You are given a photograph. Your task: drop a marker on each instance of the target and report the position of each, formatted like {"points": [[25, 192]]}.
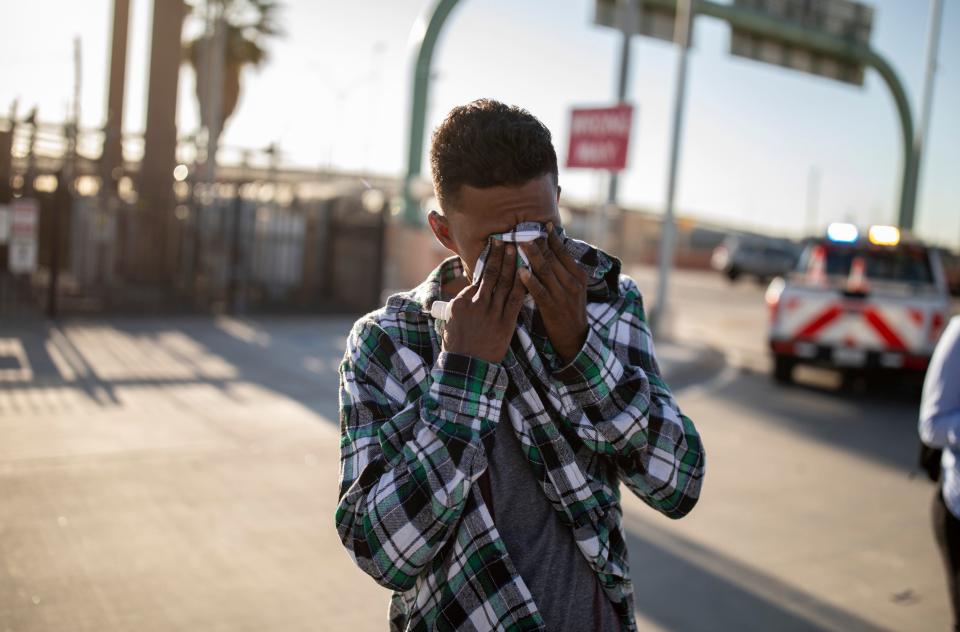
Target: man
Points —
{"points": [[940, 428], [481, 457]]}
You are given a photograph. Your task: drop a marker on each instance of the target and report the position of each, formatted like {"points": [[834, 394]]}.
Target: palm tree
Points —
{"points": [[247, 24]]}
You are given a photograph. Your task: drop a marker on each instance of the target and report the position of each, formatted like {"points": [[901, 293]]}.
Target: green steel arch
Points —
{"points": [[424, 37], [428, 28]]}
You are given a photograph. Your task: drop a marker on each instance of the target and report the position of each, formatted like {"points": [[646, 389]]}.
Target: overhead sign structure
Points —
{"points": [[784, 30], [24, 221], [600, 137], [649, 20], [842, 19]]}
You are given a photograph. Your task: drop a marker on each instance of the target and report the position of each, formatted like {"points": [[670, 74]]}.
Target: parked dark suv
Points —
{"points": [[760, 257]]}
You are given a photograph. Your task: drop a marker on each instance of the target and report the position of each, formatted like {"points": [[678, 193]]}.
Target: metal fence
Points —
{"points": [[234, 255], [240, 253], [246, 243]]}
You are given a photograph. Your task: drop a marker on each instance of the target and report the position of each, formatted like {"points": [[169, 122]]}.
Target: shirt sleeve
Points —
{"points": [[939, 424], [410, 448], [633, 417]]}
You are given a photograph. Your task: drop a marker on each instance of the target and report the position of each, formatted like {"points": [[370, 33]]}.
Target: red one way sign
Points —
{"points": [[599, 137]]}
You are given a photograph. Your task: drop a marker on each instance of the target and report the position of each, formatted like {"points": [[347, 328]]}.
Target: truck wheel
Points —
{"points": [[783, 369]]}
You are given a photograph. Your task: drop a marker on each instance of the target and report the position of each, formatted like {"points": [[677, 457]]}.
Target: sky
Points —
{"points": [[336, 92]]}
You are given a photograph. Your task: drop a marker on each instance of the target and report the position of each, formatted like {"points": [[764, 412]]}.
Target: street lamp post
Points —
{"points": [[682, 37]]}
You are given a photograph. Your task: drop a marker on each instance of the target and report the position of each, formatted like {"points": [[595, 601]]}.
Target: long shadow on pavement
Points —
{"points": [[298, 357], [682, 585], [293, 357], [877, 423]]}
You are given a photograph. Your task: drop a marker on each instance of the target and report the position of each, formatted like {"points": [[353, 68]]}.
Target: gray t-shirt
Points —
{"points": [[563, 585]]}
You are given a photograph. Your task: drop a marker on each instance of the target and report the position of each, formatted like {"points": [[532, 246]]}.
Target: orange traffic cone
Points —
{"points": [[857, 279], [817, 272]]}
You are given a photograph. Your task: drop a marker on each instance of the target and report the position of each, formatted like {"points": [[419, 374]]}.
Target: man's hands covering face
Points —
{"points": [[559, 287], [483, 315]]}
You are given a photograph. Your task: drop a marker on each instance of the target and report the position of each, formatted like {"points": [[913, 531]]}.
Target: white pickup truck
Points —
{"points": [[858, 302]]}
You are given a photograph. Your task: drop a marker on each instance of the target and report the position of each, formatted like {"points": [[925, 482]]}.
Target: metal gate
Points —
{"points": [[231, 254]]}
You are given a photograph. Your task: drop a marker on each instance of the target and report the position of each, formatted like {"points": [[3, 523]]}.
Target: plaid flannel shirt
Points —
{"points": [[417, 424]]}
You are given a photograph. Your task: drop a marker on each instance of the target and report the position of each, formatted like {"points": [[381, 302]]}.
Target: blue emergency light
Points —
{"points": [[842, 232]]}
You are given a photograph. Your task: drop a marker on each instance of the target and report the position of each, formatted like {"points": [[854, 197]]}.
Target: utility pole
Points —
{"points": [[926, 104], [63, 199], [813, 200], [77, 79], [684, 24], [112, 156], [6, 155], [33, 119], [631, 25]]}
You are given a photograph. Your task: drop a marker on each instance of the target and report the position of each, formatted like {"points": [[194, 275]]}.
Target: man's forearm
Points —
{"points": [[636, 421], [406, 484]]}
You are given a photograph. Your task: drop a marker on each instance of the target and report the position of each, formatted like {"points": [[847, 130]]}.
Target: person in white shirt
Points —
{"points": [[940, 428]]}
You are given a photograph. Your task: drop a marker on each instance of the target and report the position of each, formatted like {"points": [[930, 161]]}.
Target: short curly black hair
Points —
{"points": [[486, 143]]}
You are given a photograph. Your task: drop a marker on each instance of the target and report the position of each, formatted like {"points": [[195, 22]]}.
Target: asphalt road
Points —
{"points": [[181, 475], [704, 307], [811, 516]]}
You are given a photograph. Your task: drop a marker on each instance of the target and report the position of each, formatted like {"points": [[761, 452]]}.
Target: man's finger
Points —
{"points": [[491, 270], [463, 298], [550, 272], [514, 302], [540, 267], [564, 257], [535, 287], [565, 279], [534, 255], [508, 273], [467, 292]]}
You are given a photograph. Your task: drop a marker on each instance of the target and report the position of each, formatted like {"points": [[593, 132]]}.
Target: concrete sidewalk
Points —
{"points": [[180, 474]]}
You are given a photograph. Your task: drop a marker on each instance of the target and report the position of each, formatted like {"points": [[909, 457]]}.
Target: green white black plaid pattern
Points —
{"points": [[416, 424]]}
